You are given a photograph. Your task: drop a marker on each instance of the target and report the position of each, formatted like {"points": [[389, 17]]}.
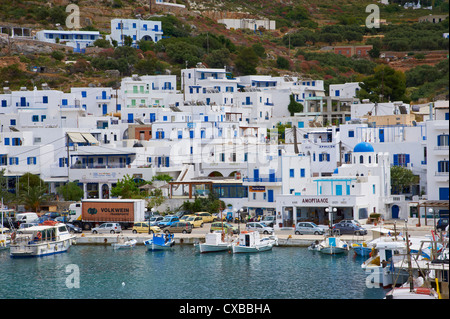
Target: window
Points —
{"points": [[291, 172], [31, 160], [13, 161], [12, 122], [443, 140], [6, 140], [45, 99], [443, 166], [302, 172], [4, 103], [35, 118], [351, 133], [401, 159], [373, 188]]}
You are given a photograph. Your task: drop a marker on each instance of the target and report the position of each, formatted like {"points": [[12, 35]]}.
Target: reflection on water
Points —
{"points": [[183, 273]]}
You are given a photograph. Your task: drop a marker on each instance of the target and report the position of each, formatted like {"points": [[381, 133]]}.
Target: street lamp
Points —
{"points": [[330, 210], [153, 210]]}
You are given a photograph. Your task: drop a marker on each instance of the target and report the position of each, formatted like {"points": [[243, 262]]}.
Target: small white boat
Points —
{"points": [[332, 245], [214, 242], [37, 241], [160, 242], [250, 242], [122, 243], [413, 290]]}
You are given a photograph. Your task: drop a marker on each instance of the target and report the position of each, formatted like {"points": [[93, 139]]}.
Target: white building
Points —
{"points": [[136, 29], [437, 157], [78, 40], [346, 90], [251, 24], [355, 190]]}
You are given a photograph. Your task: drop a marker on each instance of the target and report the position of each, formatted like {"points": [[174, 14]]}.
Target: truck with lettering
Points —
{"points": [[90, 213]]}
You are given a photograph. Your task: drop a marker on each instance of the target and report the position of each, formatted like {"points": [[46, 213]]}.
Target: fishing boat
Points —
{"points": [[42, 240], [414, 288], [251, 242], [332, 245], [214, 242], [124, 244], [379, 234], [160, 242]]}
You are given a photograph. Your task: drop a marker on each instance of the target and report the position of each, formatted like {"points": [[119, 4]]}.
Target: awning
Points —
{"points": [[90, 138], [76, 137]]}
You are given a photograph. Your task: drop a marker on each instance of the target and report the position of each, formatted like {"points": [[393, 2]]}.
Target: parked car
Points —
{"points": [[107, 228], [52, 215], [226, 227], [308, 228], [62, 219], [346, 227], [259, 227], [167, 221], [185, 217], [26, 218], [207, 217], [73, 229], [142, 227], [268, 220], [179, 227], [42, 219], [196, 221], [24, 226], [154, 220]]}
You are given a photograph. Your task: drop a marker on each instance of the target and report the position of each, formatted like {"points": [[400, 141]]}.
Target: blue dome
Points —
{"points": [[363, 147]]}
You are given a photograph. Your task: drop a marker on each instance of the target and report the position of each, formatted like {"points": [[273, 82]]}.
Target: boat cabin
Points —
{"points": [[249, 239]]}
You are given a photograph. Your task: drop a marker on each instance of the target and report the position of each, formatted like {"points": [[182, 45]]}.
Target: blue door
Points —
{"points": [[105, 109], [104, 95], [270, 195], [395, 210], [381, 135], [272, 175], [338, 190], [152, 117], [130, 118], [256, 174], [443, 193]]}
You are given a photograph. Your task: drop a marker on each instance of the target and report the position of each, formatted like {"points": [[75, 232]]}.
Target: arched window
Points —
{"points": [[361, 159]]}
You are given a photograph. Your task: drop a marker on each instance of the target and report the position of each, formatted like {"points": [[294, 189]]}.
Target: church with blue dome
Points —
{"points": [[363, 147]]}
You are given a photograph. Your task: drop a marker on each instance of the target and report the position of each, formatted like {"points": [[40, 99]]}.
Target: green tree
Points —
{"points": [[70, 192], [127, 187], [33, 197], [283, 63], [386, 84], [218, 58], [247, 61], [294, 106], [402, 179]]}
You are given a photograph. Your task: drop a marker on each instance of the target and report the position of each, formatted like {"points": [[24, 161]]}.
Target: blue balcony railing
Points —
{"points": [[262, 180]]}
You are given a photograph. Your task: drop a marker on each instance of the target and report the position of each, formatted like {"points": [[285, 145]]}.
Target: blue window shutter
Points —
{"points": [[167, 161], [320, 157], [291, 172], [328, 157], [395, 159], [302, 172], [406, 158]]}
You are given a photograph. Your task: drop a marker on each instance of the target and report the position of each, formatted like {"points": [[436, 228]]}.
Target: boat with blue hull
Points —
{"points": [[160, 242]]}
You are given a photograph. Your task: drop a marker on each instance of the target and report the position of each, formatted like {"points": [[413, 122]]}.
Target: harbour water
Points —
{"points": [[104, 273]]}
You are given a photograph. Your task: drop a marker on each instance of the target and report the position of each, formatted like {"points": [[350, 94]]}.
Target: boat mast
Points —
{"points": [[408, 256]]}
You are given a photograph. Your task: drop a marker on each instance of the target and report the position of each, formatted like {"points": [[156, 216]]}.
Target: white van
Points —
{"points": [[26, 217]]}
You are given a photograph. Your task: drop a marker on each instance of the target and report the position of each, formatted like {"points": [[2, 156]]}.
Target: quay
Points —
{"points": [[286, 238]]}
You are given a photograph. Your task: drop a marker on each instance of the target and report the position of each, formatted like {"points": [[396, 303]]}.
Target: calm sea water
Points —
{"points": [[284, 272]]}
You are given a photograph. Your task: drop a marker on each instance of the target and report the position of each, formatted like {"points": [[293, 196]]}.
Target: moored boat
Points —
{"points": [[214, 242], [250, 242], [123, 244], [332, 246], [160, 242], [37, 241]]}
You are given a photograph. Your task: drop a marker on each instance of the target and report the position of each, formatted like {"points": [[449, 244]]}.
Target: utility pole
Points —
{"points": [[295, 140]]}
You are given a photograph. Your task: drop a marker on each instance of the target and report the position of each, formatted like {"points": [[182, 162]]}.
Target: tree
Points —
{"points": [[218, 58], [283, 63], [247, 61], [294, 106], [71, 192], [33, 196], [402, 179], [386, 84], [127, 187]]}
